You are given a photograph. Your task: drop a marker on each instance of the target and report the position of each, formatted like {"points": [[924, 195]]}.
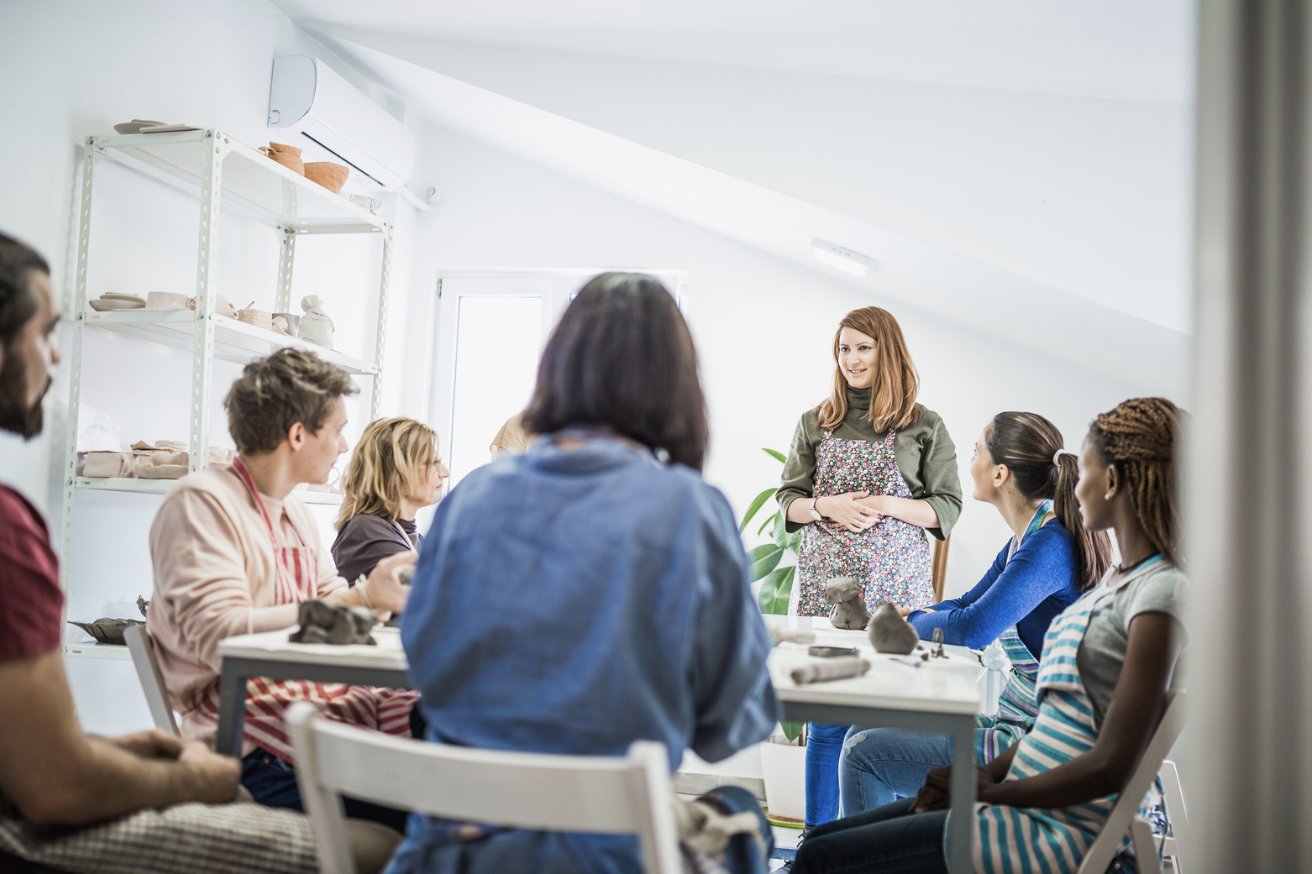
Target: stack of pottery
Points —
{"points": [[288, 156], [329, 175], [112, 301], [221, 306]]}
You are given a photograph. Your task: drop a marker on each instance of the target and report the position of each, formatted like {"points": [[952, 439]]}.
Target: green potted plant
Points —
{"points": [[774, 564]]}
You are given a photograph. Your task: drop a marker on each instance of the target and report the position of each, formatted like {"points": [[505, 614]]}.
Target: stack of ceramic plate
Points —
{"points": [[113, 301]]}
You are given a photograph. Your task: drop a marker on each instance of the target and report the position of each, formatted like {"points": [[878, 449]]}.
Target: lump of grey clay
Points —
{"points": [[889, 632], [846, 594], [338, 624]]}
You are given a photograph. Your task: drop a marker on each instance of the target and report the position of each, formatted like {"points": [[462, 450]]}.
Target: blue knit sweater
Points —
{"points": [[1040, 581]]}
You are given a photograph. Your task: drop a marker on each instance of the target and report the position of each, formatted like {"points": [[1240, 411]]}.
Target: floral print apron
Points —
{"points": [[891, 559]]}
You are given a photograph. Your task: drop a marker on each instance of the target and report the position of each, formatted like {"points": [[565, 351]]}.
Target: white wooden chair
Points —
{"points": [[1122, 818], [142, 649], [527, 790]]}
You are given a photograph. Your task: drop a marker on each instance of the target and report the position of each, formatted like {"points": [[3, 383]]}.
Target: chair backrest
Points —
{"points": [[1108, 842], [598, 794], [938, 565], [142, 649]]}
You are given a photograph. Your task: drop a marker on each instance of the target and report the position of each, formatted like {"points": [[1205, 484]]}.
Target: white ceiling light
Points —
{"points": [[844, 259]]}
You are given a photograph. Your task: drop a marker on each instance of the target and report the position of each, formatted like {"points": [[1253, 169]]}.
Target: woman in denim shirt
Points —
{"points": [[593, 591]]}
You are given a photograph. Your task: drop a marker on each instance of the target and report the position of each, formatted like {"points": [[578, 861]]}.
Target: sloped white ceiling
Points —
{"points": [[1060, 222]]}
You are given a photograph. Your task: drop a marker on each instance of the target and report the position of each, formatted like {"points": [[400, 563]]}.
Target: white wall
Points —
{"points": [[73, 68], [763, 325]]}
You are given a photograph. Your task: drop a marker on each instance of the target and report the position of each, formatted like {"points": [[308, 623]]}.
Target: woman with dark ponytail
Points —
{"points": [[1021, 468], [1106, 675]]}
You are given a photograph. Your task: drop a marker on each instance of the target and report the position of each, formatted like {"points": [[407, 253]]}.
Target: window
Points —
{"points": [[491, 327]]}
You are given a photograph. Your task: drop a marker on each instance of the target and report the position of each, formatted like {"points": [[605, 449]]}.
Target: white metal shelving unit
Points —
{"points": [[223, 174]]}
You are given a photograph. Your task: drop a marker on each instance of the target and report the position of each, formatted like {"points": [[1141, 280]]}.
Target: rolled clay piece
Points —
{"points": [[889, 632], [791, 635], [850, 611], [336, 624], [821, 671]]}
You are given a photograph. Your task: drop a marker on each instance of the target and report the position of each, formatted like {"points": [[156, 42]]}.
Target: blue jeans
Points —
{"points": [[881, 765], [272, 782], [824, 745], [890, 839]]}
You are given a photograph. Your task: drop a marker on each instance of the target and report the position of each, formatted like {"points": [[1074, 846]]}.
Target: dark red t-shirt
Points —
{"points": [[30, 599]]}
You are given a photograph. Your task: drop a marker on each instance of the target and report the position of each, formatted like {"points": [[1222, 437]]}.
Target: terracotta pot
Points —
{"points": [[329, 175], [288, 156]]}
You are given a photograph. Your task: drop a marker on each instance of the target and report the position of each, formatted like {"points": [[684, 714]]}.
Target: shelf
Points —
{"points": [[97, 651], [161, 486], [252, 184], [233, 340]]}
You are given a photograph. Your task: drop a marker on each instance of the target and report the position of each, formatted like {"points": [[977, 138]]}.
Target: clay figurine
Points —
{"points": [[849, 603], [142, 605], [315, 325], [889, 632], [337, 624]]}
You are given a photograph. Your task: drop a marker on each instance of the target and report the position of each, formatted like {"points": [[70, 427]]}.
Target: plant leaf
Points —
{"points": [[780, 534], [775, 454], [775, 590], [765, 558], [756, 504], [766, 524], [792, 730]]}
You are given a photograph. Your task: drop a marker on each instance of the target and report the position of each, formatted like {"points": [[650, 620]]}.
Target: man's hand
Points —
{"points": [[936, 793], [216, 776], [386, 590], [152, 744]]}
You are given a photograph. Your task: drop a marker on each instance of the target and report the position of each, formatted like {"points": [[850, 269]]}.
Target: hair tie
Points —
{"points": [[1056, 457]]}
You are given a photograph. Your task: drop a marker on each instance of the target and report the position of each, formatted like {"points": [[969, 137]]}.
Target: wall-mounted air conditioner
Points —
{"points": [[326, 110]]}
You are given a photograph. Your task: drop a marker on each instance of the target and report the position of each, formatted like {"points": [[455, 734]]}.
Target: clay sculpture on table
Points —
{"points": [[108, 630], [142, 605], [315, 325], [889, 632], [849, 603], [337, 624]]}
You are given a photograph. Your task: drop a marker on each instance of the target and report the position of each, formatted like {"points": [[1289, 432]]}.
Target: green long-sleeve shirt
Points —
{"points": [[925, 455]]}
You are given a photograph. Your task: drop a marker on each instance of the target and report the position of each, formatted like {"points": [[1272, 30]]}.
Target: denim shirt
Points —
{"points": [[574, 601]]}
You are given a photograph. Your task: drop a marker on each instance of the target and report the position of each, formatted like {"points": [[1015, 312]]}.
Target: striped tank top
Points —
{"points": [[1012, 840]]}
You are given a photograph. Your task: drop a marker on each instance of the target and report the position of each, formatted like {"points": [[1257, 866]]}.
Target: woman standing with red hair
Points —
{"points": [[870, 472]]}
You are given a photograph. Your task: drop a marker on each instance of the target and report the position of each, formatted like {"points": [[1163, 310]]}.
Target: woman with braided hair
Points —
{"points": [[1104, 679]]}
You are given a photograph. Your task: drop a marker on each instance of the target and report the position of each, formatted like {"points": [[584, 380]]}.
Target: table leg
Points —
{"points": [[962, 820], [232, 708]]}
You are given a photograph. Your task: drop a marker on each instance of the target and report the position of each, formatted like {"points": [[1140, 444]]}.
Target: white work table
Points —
{"points": [[939, 695]]}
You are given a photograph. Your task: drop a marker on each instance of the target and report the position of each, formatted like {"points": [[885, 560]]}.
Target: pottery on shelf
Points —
{"points": [[164, 300], [108, 630], [290, 322], [102, 465], [221, 306], [315, 325], [255, 318], [111, 301], [135, 126], [288, 156], [329, 175]]}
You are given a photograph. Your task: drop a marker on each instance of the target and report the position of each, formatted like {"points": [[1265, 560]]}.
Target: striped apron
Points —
{"points": [[1016, 840], [1016, 706], [386, 710]]}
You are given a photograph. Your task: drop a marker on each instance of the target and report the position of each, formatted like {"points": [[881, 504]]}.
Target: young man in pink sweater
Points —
{"points": [[234, 552]]}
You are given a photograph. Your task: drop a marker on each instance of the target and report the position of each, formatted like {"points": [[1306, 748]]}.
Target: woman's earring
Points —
{"points": [[1107, 497]]}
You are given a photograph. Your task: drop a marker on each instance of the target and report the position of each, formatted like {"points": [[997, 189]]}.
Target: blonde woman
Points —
{"points": [[394, 471]]}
